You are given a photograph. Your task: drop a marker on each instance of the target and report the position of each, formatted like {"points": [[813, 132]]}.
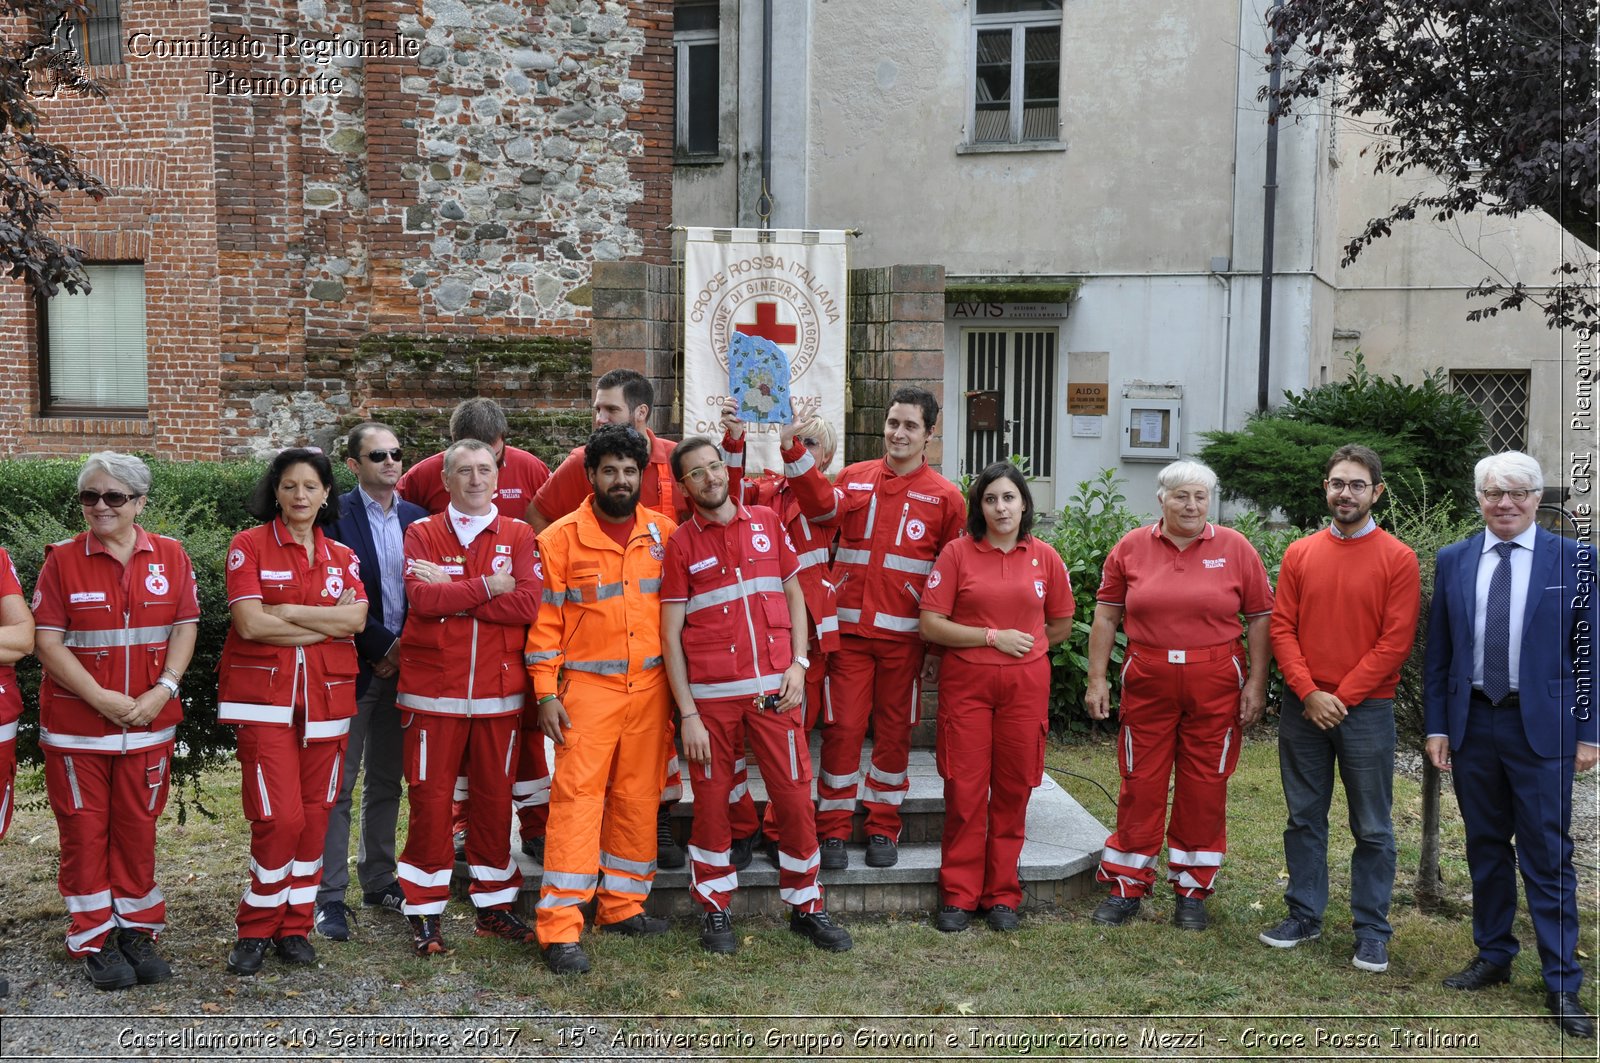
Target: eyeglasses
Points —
{"points": [[114, 499], [1520, 494], [699, 475], [1356, 486], [378, 457]]}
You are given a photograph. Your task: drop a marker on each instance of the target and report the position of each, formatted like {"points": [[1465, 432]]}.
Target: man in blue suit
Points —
{"points": [[1508, 706], [372, 522]]}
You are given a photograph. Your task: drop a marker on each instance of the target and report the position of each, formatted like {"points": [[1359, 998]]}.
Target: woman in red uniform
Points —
{"points": [[16, 642], [1178, 588], [289, 682], [998, 598], [116, 612]]}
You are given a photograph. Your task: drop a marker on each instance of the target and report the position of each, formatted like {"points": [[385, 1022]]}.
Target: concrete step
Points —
{"points": [[1060, 850]]}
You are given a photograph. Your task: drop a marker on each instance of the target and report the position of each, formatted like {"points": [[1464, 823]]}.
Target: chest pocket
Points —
{"points": [[583, 583], [282, 588]]}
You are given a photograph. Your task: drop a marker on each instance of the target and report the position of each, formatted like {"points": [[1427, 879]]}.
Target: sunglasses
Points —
{"points": [[114, 499], [378, 457]]}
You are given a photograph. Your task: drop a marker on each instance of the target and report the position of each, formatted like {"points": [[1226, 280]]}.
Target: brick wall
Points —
{"points": [[896, 339], [638, 308]]}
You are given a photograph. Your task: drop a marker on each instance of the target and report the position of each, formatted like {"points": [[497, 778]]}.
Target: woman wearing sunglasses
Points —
{"points": [[116, 611], [288, 681]]}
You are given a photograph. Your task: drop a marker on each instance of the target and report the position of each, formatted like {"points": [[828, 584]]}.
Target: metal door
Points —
{"points": [[1013, 371]]}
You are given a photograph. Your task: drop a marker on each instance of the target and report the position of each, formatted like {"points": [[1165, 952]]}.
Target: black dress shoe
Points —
{"points": [[1569, 1014], [1479, 974]]}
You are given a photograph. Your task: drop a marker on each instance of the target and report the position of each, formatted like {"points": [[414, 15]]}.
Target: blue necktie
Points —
{"points": [[1497, 628]]}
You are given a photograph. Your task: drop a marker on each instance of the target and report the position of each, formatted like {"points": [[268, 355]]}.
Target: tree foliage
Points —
{"points": [[1428, 437], [1495, 97], [36, 62]]}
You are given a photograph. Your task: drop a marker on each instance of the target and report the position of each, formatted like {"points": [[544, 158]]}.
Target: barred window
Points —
{"points": [[96, 35], [1502, 396]]}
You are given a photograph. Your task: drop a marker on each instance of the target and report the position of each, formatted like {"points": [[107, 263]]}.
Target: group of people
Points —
{"points": [[438, 625], [1507, 698]]}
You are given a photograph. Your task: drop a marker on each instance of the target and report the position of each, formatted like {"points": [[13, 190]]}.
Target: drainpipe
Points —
{"points": [[764, 203], [1268, 224]]}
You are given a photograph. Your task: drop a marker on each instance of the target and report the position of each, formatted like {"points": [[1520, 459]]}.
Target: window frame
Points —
{"points": [[1019, 23], [47, 408], [683, 41], [79, 36], [1495, 436]]}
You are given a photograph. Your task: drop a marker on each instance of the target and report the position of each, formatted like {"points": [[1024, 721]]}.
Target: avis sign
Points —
{"points": [[783, 285]]}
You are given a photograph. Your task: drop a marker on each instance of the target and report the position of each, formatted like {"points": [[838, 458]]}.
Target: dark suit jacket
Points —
{"points": [[355, 531], [1556, 673]]}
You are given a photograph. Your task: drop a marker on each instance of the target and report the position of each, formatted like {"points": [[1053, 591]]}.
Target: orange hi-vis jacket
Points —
{"points": [[600, 621], [460, 647], [891, 529], [809, 507]]}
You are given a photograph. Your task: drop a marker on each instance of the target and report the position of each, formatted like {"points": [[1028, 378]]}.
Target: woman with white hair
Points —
{"points": [[1177, 588], [116, 610]]}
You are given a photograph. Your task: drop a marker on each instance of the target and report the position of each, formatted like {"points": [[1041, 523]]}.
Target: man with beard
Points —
{"points": [[1345, 618], [604, 700], [733, 625]]}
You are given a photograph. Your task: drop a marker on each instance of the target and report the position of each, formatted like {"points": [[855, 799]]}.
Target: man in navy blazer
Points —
{"points": [[372, 521], [1508, 706]]}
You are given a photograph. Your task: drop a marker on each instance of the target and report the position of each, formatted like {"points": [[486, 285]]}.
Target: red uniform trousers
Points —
{"points": [[604, 794], [816, 708], [289, 787], [106, 807], [1184, 716], [779, 741], [990, 752], [436, 746], [530, 790], [8, 774], [876, 679]]}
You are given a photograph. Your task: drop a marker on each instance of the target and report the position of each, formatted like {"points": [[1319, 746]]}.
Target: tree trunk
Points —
{"points": [[1429, 888]]}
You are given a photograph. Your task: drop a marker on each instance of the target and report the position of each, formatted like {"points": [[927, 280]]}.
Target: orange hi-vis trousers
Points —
{"points": [[601, 837]]}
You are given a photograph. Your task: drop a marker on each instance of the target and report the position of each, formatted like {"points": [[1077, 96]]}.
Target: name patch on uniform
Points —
{"points": [[273, 574], [920, 497], [453, 570], [1214, 562], [87, 596], [701, 566], [853, 486]]}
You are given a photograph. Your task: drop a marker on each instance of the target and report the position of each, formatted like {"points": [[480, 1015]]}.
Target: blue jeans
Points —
{"points": [[1363, 746]]}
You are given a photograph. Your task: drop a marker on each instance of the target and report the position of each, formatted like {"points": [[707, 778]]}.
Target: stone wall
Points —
{"points": [[896, 339]]}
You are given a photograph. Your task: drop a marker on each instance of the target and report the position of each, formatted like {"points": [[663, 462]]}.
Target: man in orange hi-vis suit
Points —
{"points": [[603, 696]]}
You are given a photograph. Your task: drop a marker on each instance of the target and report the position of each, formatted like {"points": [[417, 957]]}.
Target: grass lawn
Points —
{"points": [[1061, 988]]}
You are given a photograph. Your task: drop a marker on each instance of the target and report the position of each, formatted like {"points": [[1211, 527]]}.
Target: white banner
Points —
{"points": [[783, 285]]}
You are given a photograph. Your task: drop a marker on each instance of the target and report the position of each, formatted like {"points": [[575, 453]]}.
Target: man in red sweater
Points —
{"points": [[1345, 619]]}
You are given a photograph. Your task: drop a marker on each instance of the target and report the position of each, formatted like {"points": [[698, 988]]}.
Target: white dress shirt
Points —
{"points": [[1521, 568]]}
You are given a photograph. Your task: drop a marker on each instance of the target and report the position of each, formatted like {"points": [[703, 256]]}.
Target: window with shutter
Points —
{"points": [[92, 345]]}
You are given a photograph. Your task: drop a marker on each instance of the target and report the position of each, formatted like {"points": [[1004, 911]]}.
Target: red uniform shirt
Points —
{"points": [[10, 696], [260, 683], [116, 619], [809, 506], [569, 485], [520, 479], [891, 528], [729, 577], [461, 650], [976, 585], [1184, 599]]}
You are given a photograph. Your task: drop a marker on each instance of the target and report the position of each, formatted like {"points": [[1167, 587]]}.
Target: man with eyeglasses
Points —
{"points": [[733, 630], [520, 475], [1508, 708], [1343, 625], [373, 519]]}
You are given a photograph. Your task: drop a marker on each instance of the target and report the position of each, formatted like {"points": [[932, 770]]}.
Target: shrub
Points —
{"points": [[1092, 521], [1428, 437]]}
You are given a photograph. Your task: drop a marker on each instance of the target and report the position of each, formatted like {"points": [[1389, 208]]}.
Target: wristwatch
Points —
{"points": [[803, 662]]}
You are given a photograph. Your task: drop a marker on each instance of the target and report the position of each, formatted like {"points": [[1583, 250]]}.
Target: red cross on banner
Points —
{"points": [[766, 325]]}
